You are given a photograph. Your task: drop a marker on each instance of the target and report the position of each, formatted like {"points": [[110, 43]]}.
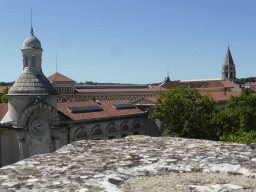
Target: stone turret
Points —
{"points": [[228, 67], [31, 87]]}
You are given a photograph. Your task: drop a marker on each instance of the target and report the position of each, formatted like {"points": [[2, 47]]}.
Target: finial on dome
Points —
{"points": [[31, 32]]}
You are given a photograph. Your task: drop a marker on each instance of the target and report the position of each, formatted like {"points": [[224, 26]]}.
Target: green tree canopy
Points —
{"points": [[184, 112], [3, 99], [237, 122]]}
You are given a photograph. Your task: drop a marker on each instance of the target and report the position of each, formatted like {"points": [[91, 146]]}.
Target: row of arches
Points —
{"points": [[77, 99], [110, 130]]}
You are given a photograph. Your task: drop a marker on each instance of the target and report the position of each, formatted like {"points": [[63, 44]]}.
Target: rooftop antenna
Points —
{"points": [[56, 62]]}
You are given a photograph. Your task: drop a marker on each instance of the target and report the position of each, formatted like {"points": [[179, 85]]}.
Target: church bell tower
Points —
{"points": [[228, 68]]}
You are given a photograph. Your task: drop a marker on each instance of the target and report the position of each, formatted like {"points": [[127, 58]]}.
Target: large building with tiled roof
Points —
{"points": [[33, 122], [69, 91]]}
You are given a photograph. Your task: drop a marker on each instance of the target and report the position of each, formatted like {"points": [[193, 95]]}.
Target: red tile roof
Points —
{"points": [[108, 110], [143, 101], [220, 96], [58, 77], [199, 84], [228, 84], [149, 89], [3, 110], [3, 87], [152, 99]]}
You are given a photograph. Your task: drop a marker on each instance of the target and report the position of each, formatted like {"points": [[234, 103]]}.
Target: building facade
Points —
{"points": [[33, 122]]}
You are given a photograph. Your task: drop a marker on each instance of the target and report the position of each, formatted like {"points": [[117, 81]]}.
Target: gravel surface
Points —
{"points": [[189, 182]]}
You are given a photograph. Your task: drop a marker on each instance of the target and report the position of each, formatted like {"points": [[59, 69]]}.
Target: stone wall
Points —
{"points": [[140, 163]]}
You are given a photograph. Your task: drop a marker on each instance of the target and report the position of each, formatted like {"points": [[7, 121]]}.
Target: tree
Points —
{"points": [[184, 112], [237, 122], [3, 99]]}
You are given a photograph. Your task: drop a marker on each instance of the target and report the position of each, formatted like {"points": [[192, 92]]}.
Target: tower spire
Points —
{"points": [[228, 67]]}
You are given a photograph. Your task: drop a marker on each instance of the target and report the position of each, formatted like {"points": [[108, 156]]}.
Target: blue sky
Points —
{"points": [[130, 41]]}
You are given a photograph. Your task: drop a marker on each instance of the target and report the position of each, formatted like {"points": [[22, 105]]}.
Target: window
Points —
{"points": [[98, 131], [136, 133], [111, 137], [81, 134], [226, 74], [125, 127], [112, 129], [137, 126], [64, 89], [33, 61], [26, 65], [64, 100]]}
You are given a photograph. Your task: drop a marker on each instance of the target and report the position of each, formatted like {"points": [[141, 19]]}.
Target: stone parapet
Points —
{"points": [[137, 163]]}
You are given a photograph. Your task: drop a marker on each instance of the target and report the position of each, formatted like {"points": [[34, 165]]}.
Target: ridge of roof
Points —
{"points": [[59, 77], [199, 84]]}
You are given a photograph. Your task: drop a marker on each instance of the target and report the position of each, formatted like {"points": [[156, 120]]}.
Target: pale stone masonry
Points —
{"points": [[228, 68], [167, 164]]}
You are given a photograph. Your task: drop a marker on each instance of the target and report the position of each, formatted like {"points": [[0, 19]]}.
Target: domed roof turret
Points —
{"points": [[32, 42]]}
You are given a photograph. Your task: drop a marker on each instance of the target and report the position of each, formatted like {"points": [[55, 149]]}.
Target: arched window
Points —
{"points": [[231, 75], [226, 74], [137, 126], [112, 129], [136, 133], [125, 127], [64, 100], [97, 131], [81, 134]]}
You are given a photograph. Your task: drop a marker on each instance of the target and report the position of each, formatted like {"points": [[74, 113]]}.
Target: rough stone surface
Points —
{"points": [[137, 163]]}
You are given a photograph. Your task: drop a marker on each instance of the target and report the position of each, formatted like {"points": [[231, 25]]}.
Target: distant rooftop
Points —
{"points": [[216, 79], [59, 77], [121, 86]]}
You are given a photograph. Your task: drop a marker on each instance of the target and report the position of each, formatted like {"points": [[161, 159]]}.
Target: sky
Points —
{"points": [[130, 41]]}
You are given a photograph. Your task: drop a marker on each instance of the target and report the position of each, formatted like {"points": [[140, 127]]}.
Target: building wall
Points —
{"points": [[9, 147], [105, 126]]}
